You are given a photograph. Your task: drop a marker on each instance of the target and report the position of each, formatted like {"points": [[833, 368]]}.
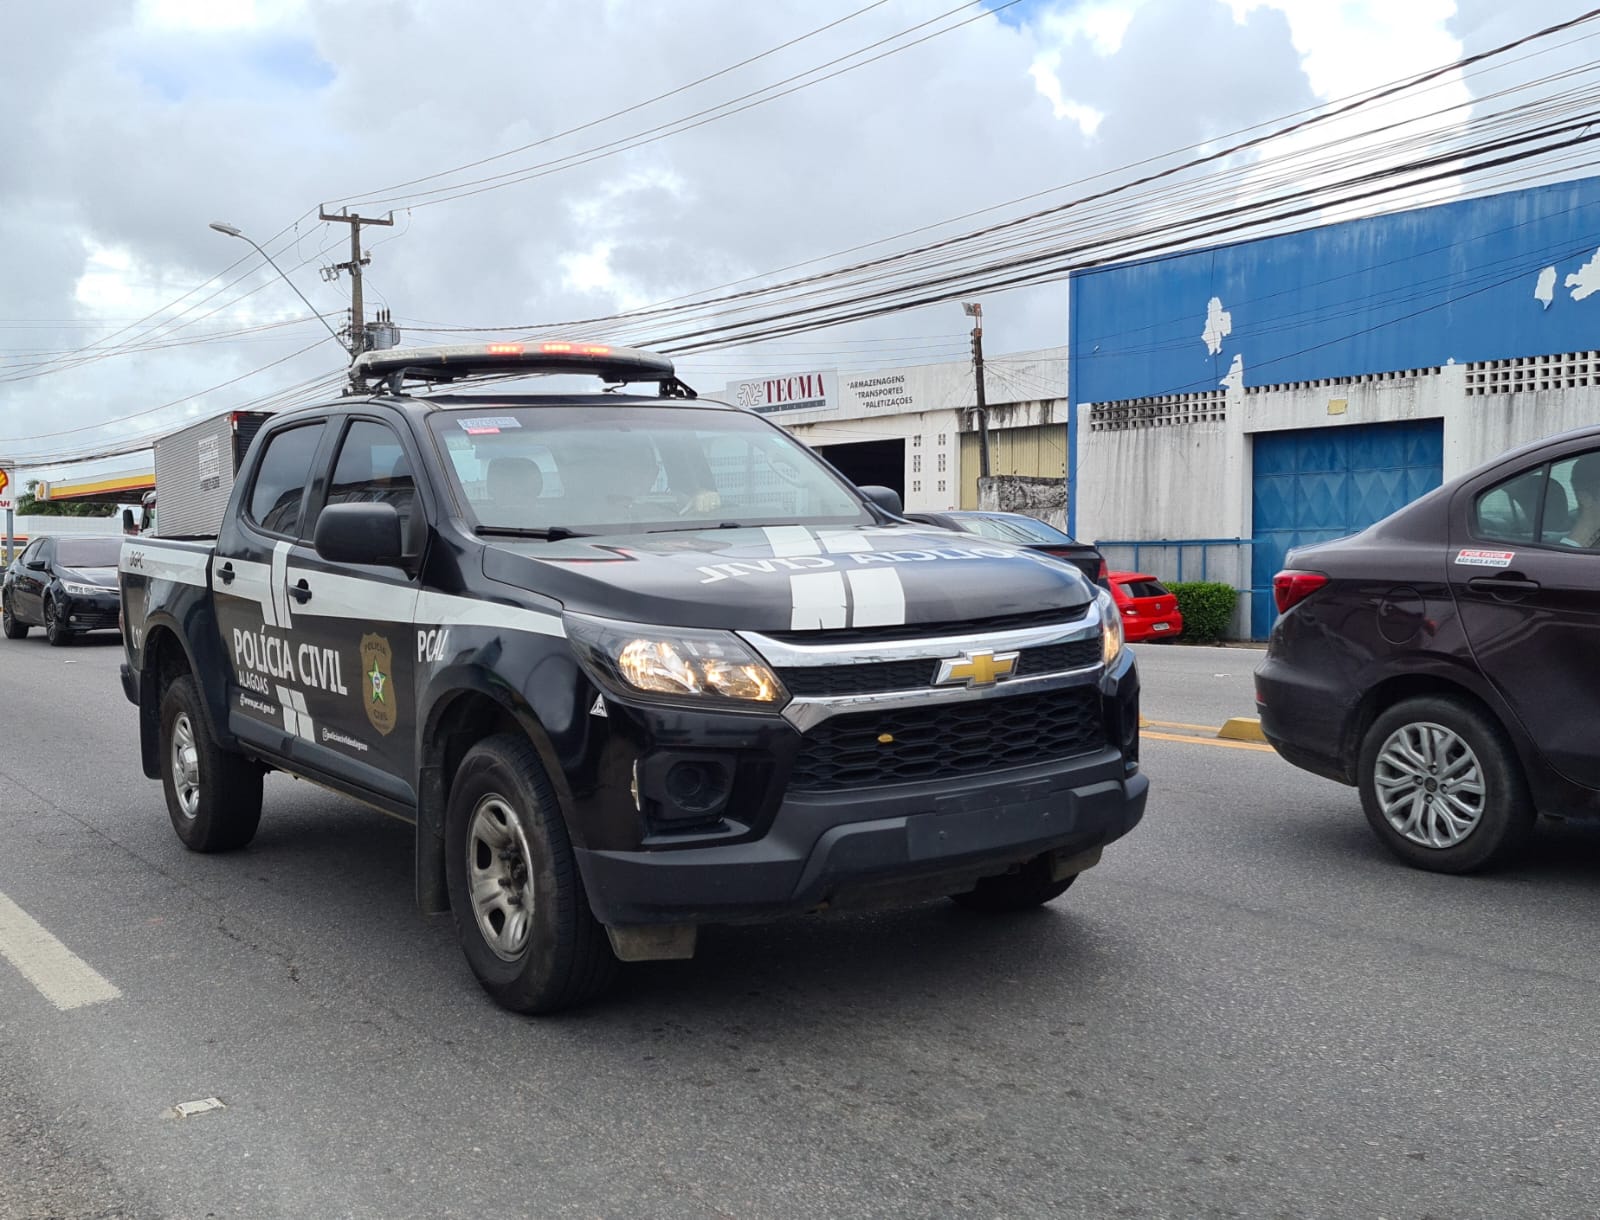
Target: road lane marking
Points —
{"points": [[59, 974], [1179, 724], [1207, 741]]}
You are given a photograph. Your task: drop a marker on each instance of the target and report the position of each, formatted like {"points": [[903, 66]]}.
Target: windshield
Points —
{"points": [[606, 469], [88, 552]]}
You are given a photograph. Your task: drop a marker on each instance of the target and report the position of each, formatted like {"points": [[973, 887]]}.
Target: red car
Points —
{"points": [[1149, 610]]}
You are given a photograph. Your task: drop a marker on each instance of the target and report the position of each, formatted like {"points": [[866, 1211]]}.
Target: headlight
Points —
{"points": [[1111, 637], [72, 586], [675, 662]]}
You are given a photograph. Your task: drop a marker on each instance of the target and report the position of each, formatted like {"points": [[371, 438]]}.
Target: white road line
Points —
{"points": [[60, 975]]}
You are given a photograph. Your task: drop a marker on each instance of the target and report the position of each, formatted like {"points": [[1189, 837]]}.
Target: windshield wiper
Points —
{"points": [[553, 533]]}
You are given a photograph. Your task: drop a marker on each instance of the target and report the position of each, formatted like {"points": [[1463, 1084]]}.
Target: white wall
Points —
{"points": [[921, 484]]}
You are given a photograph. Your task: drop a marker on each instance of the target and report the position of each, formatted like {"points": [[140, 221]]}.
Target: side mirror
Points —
{"points": [[360, 533], [886, 498], [129, 526], [35, 565]]}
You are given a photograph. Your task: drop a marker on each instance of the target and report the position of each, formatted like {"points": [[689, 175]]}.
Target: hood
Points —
{"points": [[791, 578], [105, 578]]}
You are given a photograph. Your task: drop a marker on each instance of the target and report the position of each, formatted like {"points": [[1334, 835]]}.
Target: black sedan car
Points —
{"points": [[1025, 531], [1447, 660], [66, 584]]}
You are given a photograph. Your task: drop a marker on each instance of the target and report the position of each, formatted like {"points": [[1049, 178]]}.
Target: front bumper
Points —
{"points": [[89, 612], [876, 846]]}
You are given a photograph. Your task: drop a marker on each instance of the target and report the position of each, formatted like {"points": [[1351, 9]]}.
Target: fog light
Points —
{"points": [[699, 786]]}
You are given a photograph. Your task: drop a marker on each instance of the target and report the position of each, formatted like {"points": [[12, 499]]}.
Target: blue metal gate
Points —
{"points": [[1321, 483]]}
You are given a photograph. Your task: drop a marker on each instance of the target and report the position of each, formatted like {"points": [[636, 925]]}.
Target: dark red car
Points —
{"points": [[1445, 661], [1149, 608]]}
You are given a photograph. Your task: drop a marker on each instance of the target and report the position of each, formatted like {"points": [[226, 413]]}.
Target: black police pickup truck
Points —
{"points": [[631, 664]]}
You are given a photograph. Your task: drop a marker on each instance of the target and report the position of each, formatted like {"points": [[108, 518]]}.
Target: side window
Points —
{"points": [[281, 479], [372, 468], [1572, 505], [1509, 511]]}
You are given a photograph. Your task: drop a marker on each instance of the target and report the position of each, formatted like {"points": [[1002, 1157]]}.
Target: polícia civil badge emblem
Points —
{"points": [[377, 688]]}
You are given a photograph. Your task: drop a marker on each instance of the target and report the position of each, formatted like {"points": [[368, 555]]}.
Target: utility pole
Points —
{"points": [[974, 309], [358, 317]]}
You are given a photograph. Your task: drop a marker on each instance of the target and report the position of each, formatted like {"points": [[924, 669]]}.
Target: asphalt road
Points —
{"points": [[1248, 1010]]}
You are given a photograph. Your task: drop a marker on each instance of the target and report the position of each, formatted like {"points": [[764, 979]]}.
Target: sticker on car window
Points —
{"points": [[487, 425], [1486, 559]]}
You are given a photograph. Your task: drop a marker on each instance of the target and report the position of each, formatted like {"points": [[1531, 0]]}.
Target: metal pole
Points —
{"points": [[974, 309], [358, 314], [11, 537], [228, 230]]}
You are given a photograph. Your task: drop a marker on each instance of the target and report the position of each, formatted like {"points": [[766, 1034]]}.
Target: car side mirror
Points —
{"points": [[129, 526], [360, 533], [35, 565], [886, 498]]}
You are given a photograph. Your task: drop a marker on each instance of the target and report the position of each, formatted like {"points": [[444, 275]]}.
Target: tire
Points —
{"points": [[213, 795], [15, 629], [1442, 787], [1030, 886], [529, 936], [54, 629]]}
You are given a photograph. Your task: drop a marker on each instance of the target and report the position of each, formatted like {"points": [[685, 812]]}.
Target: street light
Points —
{"points": [[232, 231]]}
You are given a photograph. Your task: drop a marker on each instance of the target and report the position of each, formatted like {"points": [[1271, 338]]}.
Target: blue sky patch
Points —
{"points": [[230, 65]]}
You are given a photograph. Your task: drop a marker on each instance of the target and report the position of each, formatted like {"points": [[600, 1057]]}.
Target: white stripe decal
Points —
{"points": [[447, 610], [334, 595], [251, 582], [879, 597], [819, 601], [280, 584], [60, 975], [789, 541], [846, 543], [179, 566]]}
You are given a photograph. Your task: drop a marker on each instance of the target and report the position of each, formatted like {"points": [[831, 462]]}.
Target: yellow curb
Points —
{"points": [[1214, 742], [1242, 728]]}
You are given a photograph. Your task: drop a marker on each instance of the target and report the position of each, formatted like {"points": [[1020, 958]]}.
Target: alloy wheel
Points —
{"points": [[185, 765], [499, 877], [1430, 785]]}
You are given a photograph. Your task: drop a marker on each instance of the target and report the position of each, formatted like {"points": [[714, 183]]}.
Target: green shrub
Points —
{"points": [[1207, 608]]}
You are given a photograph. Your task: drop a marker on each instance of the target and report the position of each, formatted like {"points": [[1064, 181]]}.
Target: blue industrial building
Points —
{"points": [[1280, 391]]}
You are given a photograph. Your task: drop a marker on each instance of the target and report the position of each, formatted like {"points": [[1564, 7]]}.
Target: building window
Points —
{"points": [[916, 441], [941, 463], [916, 463], [941, 440], [916, 484], [941, 484]]}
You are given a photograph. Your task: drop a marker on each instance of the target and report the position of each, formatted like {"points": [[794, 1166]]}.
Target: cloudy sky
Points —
{"points": [[130, 126]]}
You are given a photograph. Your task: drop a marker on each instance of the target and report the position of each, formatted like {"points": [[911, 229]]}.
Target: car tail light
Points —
{"points": [[1291, 588]]}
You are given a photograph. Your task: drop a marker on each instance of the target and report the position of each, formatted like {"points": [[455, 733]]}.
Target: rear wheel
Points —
{"points": [[54, 629], [521, 912], [14, 628], [1030, 886], [1442, 787], [213, 795]]}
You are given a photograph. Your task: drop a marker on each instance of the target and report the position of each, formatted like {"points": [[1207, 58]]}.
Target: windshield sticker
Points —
{"points": [[1486, 559], [487, 425]]}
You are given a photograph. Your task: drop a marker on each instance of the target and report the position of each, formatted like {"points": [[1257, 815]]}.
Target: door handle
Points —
{"points": [[300, 592], [1501, 586], [225, 573]]}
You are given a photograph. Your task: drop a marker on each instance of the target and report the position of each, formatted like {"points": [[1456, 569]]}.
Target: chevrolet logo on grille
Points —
{"points": [[976, 668]]}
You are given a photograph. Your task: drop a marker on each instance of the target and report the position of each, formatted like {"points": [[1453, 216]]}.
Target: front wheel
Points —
{"points": [[14, 628], [1442, 788], [213, 795], [1030, 886], [520, 909], [54, 629]]}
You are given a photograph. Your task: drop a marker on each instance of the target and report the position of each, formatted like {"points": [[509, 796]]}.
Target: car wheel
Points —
{"points": [[1442, 786], [14, 629], [54, 629], [1030, 886], [520, 909], [213, 795]]}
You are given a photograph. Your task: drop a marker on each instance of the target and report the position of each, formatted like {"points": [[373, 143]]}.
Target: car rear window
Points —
{"points": [[1145, 588]]}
